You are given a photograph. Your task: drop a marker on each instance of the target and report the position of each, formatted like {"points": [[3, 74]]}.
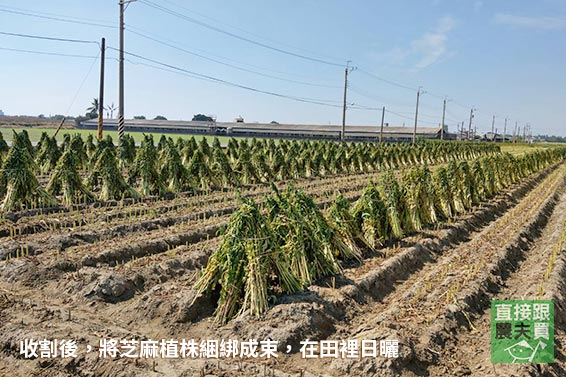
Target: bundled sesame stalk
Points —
{"points": [[173, 172], [343, 220], [308, 241], [48, 153], [66, 180], [22, 190], [393, 198], [244, 264], [107, 175], [441, 183], [78, 147], [199, 172], [145, 169], [370, 215]]}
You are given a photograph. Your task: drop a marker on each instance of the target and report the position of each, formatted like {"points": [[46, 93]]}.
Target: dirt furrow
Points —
{"points": [[531, 280]]}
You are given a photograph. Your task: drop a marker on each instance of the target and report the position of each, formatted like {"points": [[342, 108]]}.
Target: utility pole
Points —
{"points": [[343, 133], [123, 5], [519, 132], [381, 130], [515, 133], [470, 125], [443, 115], [504, 130], [525, 132], [101, 93], [416, 116], [494, 138], [493, 125]]}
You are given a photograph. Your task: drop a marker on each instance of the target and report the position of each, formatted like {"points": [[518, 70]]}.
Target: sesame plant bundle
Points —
{"points": [[26, 142], [22, 190], [188, 151], [90, 146], [106, 175], [261, 167], [456, 190], [79, 150], [246, 266], [344, 222], [245, 168], [397, 214], [48, 153], [370, 214], [309, 243], [221, 167], [126, 151], [199, 173], [66, 180], [441, 183], [417, 197], [145, 171], [172, 171]]}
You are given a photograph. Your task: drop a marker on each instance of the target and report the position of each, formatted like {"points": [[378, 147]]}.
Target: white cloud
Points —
{"points": [[431, 47], [539, 23]]}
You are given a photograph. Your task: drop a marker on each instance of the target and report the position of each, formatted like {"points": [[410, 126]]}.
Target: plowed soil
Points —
{"points": [[131, 276]]}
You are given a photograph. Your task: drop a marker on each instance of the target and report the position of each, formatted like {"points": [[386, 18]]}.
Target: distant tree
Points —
{"points": [[202, 118], [110, 110], [80, 119], [58, 117], [274, 122], [92, 111], [41, 116], [160, 117], [139, 117]]}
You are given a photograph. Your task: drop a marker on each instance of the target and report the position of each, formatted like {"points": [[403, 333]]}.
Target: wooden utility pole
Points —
{"points": [[416, 116], [525, 132], [505, 130], [443, 115], [343, 133], [381, 130], [470, 124], [493, 125], [515, 133], [59, 127], [101, 92]]}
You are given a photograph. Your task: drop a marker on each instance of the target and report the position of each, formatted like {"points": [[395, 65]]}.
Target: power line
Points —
{"points": [[55, 18], [233, 35], [82, 83], [229, 83], [228, 64], [57, 15], [48, 53], [48, 38], [386, 80], [244, 30]]}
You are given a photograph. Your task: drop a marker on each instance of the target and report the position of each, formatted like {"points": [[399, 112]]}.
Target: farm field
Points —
{"points": [[36, 132], [287, 241]]}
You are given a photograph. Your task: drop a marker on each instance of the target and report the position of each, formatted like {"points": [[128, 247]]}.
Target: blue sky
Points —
{"points": [[505, 58]]}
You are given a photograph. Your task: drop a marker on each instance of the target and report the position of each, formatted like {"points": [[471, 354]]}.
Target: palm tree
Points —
{"points": [[111, 108], [93, 109]]}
